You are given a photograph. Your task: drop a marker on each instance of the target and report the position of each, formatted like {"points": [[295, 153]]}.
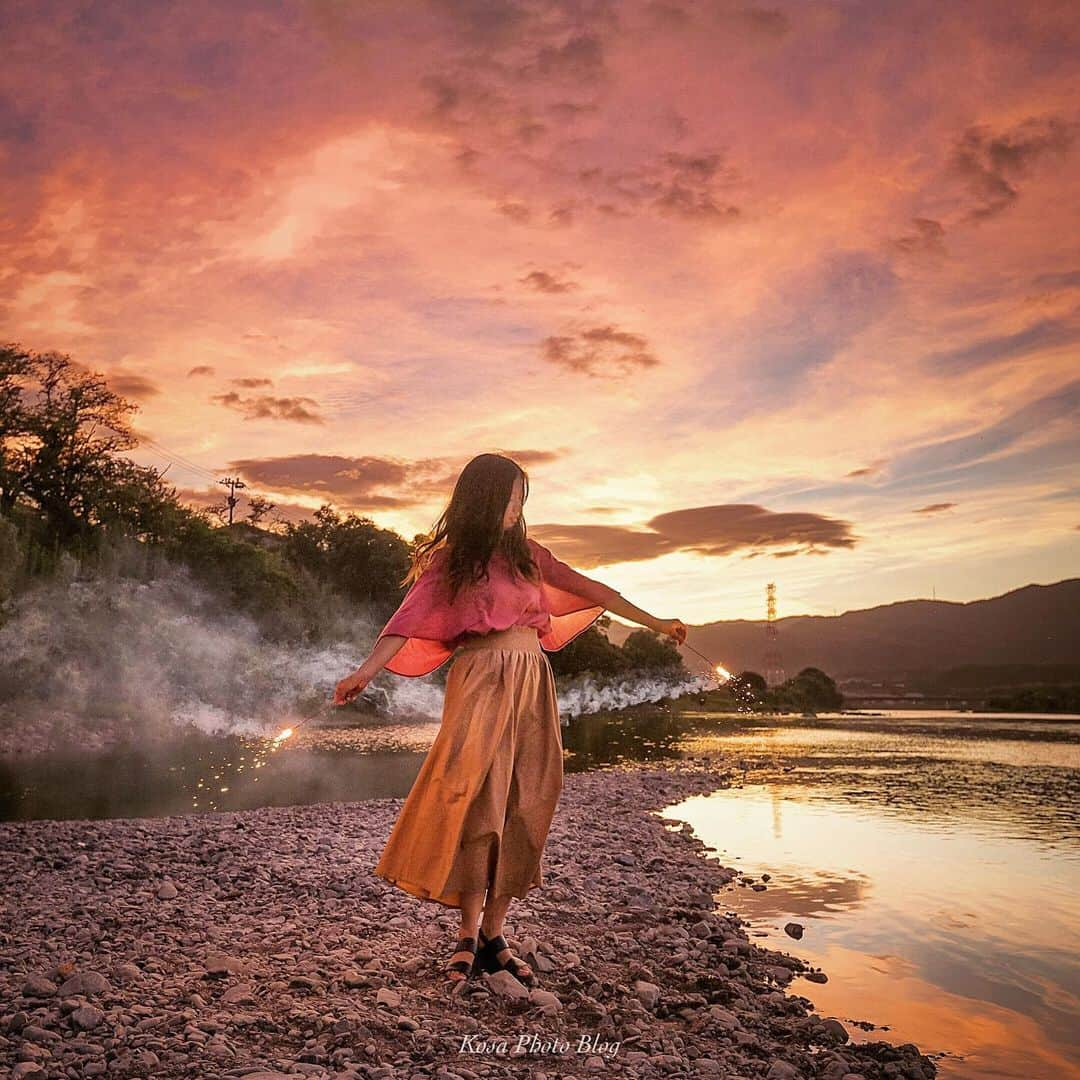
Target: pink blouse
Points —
{"points": [[564, 604]]}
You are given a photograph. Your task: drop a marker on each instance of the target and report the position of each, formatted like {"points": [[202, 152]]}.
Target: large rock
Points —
{"points": [[87, 983], [506, 986], [833, 1029], [36, 985], [87, 1017], [547, 1002]]}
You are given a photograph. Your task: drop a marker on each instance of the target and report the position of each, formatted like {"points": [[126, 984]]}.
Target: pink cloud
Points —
{"points": [[724, 249]]}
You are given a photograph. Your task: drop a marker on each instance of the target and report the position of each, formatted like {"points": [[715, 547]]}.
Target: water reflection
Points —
{"points": [[937, 891], [196, 773]]}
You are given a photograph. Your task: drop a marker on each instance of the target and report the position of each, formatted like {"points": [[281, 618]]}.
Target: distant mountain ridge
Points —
{"points": [[1036, 624]]}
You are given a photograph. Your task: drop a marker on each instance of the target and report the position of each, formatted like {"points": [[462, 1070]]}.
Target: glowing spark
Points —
{"points": [[283, 736]]}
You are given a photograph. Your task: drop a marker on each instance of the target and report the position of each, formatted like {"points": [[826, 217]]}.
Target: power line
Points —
{"points": [[200, 474], [179, 459], [233, 484], [200, 471]]}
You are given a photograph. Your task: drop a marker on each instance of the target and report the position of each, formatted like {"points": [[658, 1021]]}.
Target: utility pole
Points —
{"points": [[232, 483]]}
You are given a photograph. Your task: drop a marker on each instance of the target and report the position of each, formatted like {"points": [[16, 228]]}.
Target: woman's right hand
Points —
{"points": [[351, 686]]}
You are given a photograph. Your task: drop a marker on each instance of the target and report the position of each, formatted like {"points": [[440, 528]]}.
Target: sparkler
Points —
{"points": [[720, 673]]}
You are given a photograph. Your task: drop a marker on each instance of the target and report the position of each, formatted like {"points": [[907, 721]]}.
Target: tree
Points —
{"points": [[590, 651], [219, 511], [14, 374], [364, 562], [809, 691], [817, 689], [60, 429], [258, 507], [648, 650]]}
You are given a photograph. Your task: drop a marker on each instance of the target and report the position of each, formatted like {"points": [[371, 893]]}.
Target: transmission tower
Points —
{"points": [[774, 665]]}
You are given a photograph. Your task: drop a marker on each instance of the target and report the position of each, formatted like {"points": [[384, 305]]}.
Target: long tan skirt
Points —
{"points": [[478, 814]]}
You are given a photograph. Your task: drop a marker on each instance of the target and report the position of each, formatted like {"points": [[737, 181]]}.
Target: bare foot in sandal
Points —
{"points": [[461, 963], [495, 955]]}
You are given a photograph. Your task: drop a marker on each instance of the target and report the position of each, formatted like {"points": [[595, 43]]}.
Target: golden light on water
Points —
{"points": [[723, 671], [216, 775]]}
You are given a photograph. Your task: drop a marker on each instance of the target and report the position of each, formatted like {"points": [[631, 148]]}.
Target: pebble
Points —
{"points": [[126, 973], [648, 993], [289, 958], [782, 1070], [545, 1001], [28, 1070]]}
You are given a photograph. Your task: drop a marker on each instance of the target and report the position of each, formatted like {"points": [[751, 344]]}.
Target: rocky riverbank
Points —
{"points": [[259, 943]]}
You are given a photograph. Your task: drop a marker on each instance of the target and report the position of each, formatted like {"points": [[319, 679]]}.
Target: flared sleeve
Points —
{"points": [[573, 600], [427, 620]]}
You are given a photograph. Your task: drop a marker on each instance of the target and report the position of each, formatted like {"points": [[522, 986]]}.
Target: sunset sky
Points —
{"points": [[755, 293]]}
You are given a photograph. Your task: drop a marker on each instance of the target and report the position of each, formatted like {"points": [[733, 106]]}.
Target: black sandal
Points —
{"points": [[487, 959], [464, 967]]}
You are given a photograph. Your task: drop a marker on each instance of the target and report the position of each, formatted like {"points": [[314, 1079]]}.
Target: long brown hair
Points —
{"points": [[471, 527]]}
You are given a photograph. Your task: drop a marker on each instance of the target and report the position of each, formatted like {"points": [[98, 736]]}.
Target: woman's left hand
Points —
{"points": [[675, 628], [350, 686]]}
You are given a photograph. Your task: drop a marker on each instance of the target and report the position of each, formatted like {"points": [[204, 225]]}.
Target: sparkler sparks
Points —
{"points": [[257, 755], [718, 670], [722, 676]]}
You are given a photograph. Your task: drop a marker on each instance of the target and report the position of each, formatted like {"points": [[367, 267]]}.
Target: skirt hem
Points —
{"points": [[423, 893]]}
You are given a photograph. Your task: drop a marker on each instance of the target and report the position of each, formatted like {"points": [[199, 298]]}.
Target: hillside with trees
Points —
{"points": [[70, 498]]}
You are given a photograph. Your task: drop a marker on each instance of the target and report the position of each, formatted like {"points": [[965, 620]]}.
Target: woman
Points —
{"points": [[473, 827]]}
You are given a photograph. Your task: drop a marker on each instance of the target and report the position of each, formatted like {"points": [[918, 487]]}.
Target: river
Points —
{"points": [[932, 859]]}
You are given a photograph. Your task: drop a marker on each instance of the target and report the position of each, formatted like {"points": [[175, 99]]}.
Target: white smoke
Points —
{"points": [[148, 656], [588, 694], [82, 659]]}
